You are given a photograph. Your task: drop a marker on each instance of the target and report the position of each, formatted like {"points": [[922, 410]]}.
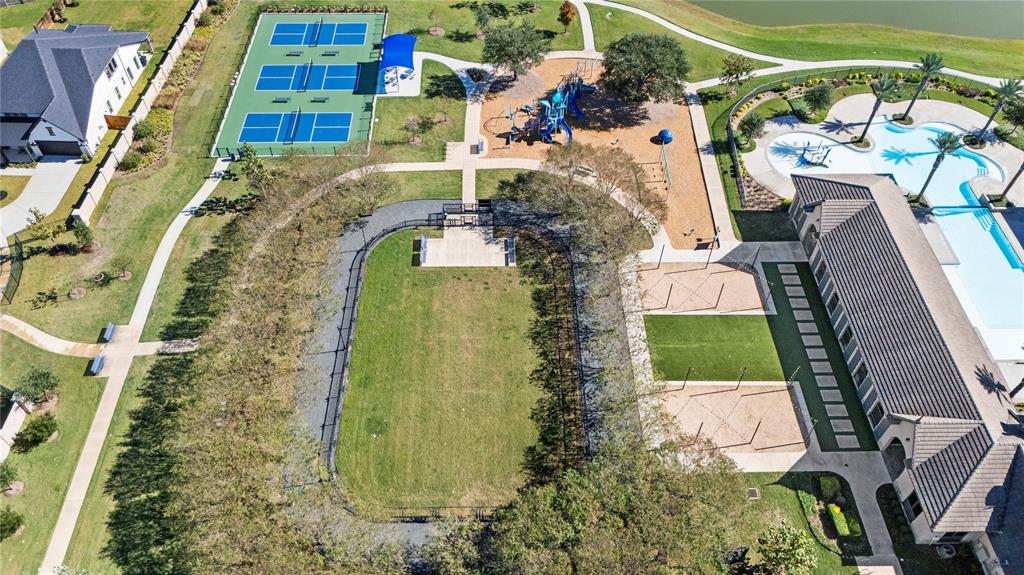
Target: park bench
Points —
{"points": [[96, 365], [108, 332]]}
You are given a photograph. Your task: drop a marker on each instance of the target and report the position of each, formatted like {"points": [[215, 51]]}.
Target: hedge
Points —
{"points": [[839, 520]]}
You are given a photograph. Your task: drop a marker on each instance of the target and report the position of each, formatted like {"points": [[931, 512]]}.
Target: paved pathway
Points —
{"points": [[119, 354], [43, 340], [49, 179]]}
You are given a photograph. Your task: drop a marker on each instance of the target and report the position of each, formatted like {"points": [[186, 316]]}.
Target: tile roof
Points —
{"points": [[59, 69]]}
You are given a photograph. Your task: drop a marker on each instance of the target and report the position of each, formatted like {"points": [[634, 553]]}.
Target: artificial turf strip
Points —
{"points": [[712, 348], [794, 359], [437, 410]]}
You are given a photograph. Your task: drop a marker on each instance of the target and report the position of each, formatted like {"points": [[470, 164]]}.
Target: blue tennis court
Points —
{"points": [[296, 127], [319, 34], [307, 77]]}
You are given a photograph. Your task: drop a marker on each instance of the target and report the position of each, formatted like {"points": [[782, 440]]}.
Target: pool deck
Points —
{"points": [[846, 120]]}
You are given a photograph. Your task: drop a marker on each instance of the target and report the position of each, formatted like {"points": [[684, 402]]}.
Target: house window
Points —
{"points": [[111, 67], [912, 506], [820, 272], [118, 92], [846, 336], [876, 415], [50, 131], [110, 109], [833, 302], [860, 374], [130, 74]]}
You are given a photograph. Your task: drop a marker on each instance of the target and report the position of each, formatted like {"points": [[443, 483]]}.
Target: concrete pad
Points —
{"points": [[847, 441], [793, 280], [466, 247], [48, 182], [840, 424], [831, 396], [826, 381], [795, 291], [799, 303], [787, 268], [811, 339], [817, 353], [807, 327], [836, 409], [694, 286], [821, 367], [803, 315]]}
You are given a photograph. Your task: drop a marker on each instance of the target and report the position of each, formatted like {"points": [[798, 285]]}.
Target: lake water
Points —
{"points": [[984, 18]]}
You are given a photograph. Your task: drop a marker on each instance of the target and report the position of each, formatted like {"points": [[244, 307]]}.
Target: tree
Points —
{"points": [[37, 385], [736, 69], [36, 431], [819, 97], [1013, 181], [947, 143], [8, 475], [10, 522], [566, 14], [930, 65], [515, 48], [646, 67], [121, 263], [1008, 89], [259, 175], [786, 551], [752, 126], [83, 233], [1013, 111], [36, 223], [884, 87]]}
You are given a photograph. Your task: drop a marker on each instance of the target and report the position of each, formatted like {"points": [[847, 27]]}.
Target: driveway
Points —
{"points": [[50, 179]]}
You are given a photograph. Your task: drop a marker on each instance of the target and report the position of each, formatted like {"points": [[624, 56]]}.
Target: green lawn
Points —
{"points": [[790, 347], [442, 103], [611, 24], [11, 187], [91, 530], [779, 502], [843, 41], [17, 21], [488, 181], [437, 411], [440, 185], [137, 209], [716, 347], [47, 469]]}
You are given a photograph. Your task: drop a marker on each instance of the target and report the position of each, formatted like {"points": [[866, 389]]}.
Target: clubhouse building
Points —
{"points": [[952, 441]]}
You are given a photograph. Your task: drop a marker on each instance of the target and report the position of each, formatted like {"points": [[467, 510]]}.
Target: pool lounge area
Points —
{"points": [[986, 270]]}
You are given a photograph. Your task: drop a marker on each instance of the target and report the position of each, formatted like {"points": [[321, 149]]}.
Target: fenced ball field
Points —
{"points": [[307, 83]]}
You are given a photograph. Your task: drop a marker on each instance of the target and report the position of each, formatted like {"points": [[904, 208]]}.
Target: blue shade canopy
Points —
{"points": [[398, 50]]}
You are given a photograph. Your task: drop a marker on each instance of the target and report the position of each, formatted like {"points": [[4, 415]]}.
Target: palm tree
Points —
{"points": [[947, 143], [930, 65], [884, 87], [1013, 181], [1009, 88]]}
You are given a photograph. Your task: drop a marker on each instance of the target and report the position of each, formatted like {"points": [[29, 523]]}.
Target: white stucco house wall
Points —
{"points": [[57, 86]]}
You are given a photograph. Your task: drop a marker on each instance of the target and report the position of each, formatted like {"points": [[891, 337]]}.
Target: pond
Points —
{"points": [[984, 18]]}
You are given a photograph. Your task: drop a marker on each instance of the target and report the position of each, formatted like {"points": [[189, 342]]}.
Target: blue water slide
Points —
{"points": [[568, 131]]}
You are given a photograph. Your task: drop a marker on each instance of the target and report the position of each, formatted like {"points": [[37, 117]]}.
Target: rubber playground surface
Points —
{"points": [[308, 82]]}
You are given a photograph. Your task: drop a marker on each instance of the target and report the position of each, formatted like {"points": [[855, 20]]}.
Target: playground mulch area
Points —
{"points": [[610, 121]]}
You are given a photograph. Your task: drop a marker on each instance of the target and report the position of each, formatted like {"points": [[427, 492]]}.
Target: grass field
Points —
{"points": [[437, 411], [844, 41], [611, 24], [11, 187], [716, 347], [46, 469], [91, 530], [440, 107]]}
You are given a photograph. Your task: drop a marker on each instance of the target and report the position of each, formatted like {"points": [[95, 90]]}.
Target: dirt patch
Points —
{"points": [[608, 121], [14, 489]]}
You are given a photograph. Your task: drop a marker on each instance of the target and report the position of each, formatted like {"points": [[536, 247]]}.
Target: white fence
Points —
{"points": [[94, 190], [11, 427]]}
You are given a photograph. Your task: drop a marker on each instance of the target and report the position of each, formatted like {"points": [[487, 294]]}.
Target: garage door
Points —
{"points": [[60, 148]]}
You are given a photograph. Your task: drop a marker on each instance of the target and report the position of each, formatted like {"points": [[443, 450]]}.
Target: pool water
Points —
{"points": [[989, 273]]}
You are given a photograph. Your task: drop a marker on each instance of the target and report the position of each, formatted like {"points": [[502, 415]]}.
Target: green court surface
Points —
{"points": [[307, 83]]}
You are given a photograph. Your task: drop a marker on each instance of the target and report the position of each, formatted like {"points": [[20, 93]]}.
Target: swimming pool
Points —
{"points": [[989, 278]]}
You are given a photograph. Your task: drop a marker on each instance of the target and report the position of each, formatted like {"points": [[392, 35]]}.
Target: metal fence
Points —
{"points": [[795, 80], [13, 256]]}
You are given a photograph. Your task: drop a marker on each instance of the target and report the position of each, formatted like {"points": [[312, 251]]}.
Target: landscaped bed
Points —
{"points": [[437, 412]]}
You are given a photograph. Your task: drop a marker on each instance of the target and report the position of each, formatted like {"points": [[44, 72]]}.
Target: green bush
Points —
{"points": [[808, 502], [830, 487], [8, 475], [839, 520], [131, 161], [801, 109], [10, 521], [37, 430], [855, 528], [204, 20], [145, 129], [148, 145]]}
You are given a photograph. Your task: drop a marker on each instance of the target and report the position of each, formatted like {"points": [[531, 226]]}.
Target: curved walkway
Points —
{"points": [[51, 343]]}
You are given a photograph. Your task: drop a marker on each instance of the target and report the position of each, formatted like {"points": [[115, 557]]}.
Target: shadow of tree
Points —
{"points": [[444, 86], [220, 206]]}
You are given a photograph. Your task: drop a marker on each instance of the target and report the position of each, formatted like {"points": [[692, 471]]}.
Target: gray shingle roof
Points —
{"points": [[57, 71]]}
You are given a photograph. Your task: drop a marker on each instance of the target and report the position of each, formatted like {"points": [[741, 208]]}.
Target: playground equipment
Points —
{"points": [[547, 117], [813, 156]]}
